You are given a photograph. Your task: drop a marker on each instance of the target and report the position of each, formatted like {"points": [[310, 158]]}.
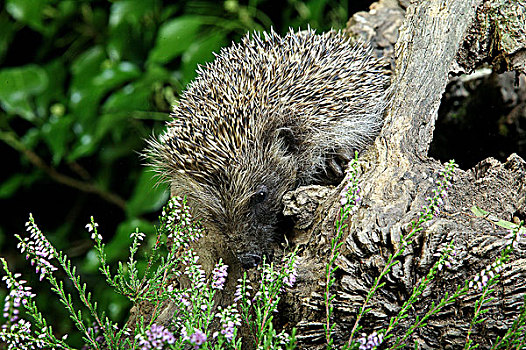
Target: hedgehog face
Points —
{"points": [[248, 206]]}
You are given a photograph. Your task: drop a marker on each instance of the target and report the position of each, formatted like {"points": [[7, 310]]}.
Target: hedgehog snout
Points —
{"points": [[249, 260]]}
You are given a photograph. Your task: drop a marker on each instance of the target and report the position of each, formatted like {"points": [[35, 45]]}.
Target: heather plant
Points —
{"points": [[200, 323], [426, 214], [257, 309], [170, 257], [483, 282], [349, 201]]}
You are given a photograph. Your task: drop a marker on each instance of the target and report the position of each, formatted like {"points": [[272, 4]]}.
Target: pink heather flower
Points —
{"points": [[18, 336], [228, 330], [370, 342], [196, 274], [238, 295], [219, 275], [450, 259], [229, 318], [198, 338], [290, 275], [481, 279], [18, 295], [38, 250], [155, 338], [184, 299]]}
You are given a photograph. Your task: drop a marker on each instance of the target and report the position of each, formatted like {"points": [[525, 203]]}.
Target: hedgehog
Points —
{"points": [[269, 114]]}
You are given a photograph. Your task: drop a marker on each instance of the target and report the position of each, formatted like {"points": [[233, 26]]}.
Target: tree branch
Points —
{"points": [[10, 139]]}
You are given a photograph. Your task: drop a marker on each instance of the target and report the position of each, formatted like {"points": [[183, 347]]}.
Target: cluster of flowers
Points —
{"points": [[219, 275], [155, 338], [195, 273], [18, 295], [197, 338], [516, 237], [179, 222], [268, 277], [448, 250], [16, 333], [439, 193], [291, 273], [92, 228], [139, 236], [350, 200], [243, 291], [18, 337], [184, 298], [481, 279], [97, 334], [38, 249], [370, 342], [229, 318]]}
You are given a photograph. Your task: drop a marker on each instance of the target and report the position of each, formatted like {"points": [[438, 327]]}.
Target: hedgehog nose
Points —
{"points": [[249, 260]]}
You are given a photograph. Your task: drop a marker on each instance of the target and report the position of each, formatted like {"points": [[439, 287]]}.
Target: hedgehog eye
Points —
{"points": [[261, 194]]}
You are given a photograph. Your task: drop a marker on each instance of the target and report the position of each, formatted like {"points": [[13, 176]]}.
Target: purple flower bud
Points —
{"points": [[198, 338], [219, 275]]}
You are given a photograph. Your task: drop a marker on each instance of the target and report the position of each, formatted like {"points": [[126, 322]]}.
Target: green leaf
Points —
{"points": [[132, 97], [8, 29], [493, 218], [115, 75], [84, 96], [174, 38], [57, 134], [148, 195], [131, 11], [54, 92], [201, 52], [111, 122], [131, 29], [91, 262], [136, 95], [29, 12], [11, 185], [93, 77], [18, 85]]}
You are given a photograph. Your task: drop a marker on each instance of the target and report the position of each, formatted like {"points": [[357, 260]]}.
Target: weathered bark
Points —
{"points": [[436, 37]]}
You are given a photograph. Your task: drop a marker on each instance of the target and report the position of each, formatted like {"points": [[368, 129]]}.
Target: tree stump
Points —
{"points": [[436, 39]]}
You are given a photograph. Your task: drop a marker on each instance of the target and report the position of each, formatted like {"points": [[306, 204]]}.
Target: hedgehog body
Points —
{"points": [[267, 115]]}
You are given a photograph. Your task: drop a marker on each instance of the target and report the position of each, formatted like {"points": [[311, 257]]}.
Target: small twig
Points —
{"points": [[83, 186], [80, 170]]}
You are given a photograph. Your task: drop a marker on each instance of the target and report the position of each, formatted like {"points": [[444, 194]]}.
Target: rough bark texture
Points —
{"points": [[436, 37]]}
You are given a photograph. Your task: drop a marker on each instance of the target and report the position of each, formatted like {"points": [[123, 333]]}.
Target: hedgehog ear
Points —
{"points": [[286, 135]]}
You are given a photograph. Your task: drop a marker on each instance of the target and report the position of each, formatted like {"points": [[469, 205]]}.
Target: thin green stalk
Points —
{"points": [[427, 213]]}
